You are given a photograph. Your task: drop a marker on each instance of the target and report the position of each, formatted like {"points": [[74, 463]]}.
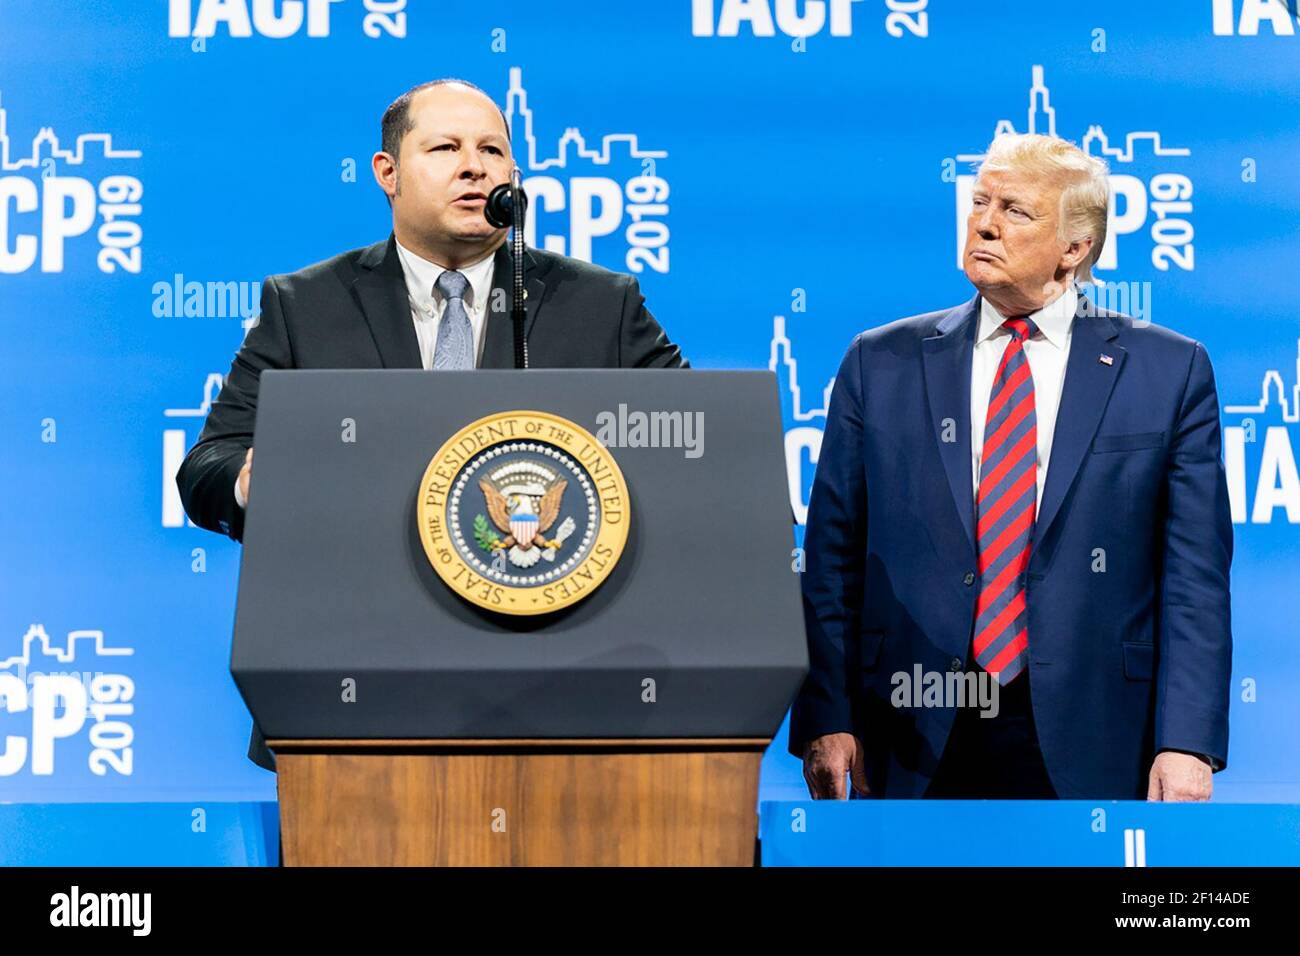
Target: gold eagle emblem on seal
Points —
{"points": [[523, 512]]}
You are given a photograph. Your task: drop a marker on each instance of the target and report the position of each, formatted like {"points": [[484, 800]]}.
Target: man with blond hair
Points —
{"points": [[1023, 491]]}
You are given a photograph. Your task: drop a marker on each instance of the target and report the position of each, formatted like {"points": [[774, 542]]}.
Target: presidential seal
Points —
{"points": [[523, 512]]}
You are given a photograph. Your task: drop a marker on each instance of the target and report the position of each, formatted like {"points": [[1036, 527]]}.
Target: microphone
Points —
{"points": [[507, 205], [500, 208]]}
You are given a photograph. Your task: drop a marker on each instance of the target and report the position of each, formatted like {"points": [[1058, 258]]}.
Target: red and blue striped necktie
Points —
{"points": [[1005, 508]]}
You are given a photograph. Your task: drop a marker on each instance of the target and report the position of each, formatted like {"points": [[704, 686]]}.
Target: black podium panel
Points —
{"points": [[697, 632]]}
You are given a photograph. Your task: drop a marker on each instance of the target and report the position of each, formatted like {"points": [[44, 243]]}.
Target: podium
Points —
{"points": [[547, 617]]}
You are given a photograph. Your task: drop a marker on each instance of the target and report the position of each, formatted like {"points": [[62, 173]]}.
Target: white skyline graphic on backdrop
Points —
{"points": [[1273, 388], [517, 104], [64, 655], [782, 354], [1041, 118], [46, 142]]}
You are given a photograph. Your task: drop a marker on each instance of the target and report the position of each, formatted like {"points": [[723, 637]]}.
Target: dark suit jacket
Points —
{"points": [[352, 311], [1123, 662]]}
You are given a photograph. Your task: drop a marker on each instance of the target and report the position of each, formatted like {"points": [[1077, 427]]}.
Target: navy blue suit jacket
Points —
{"points": [[1125, 661]]}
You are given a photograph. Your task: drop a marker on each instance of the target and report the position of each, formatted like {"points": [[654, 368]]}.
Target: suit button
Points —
{"points": [[968, 579], [955, 665]]}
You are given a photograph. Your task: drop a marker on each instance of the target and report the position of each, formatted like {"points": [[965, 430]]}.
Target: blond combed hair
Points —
{"points": [[1085, 193]]}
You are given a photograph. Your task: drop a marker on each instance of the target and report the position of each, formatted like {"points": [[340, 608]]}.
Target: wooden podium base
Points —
{"points": [[518, 802]]}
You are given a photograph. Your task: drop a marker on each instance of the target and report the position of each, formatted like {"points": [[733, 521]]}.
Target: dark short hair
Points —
{"points": [[396, 122]]}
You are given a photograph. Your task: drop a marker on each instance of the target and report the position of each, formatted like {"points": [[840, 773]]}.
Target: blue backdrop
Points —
{"points": [[779, 175]]}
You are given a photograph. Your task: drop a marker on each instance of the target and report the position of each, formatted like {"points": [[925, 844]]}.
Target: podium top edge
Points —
{"points": [[302, 745]]}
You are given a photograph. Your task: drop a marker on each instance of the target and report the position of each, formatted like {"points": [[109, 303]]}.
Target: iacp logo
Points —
{"points": [[42, 206], [803, 408], [802, 18], [1258, 456], [275, 19], [61, 702], [586, 191], [764, 18], [1280, 15]]}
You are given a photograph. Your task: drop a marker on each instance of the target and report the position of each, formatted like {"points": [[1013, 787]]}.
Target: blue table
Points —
{"points": [[794, 833], [1047, 833], [200, 833]]}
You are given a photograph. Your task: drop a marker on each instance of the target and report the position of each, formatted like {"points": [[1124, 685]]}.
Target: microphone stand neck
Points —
{"points": [[517, 312]]}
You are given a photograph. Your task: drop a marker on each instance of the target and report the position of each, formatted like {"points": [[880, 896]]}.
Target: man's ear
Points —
{"points": [[1076, 254], [384, 167]]}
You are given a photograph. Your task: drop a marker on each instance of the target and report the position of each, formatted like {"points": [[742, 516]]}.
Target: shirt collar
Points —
{"points": [[1053, 320], [422, 275]]}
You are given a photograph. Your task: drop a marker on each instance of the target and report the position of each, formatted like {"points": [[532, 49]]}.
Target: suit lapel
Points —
{"points": [[1088, 384], [380, 291], [947, 363], [499, 344]]}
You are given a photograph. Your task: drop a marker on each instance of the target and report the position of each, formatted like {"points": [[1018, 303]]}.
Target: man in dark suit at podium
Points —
{"points": [[435, 295], [1026, 490]]}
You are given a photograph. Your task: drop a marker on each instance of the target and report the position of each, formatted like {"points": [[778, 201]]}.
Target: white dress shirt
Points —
{"points": [[427, 306], [1046, 354]]}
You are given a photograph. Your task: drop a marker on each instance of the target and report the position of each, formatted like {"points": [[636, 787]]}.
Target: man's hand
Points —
{"points": [[246, 475], [825, 762], [1178, 777]]}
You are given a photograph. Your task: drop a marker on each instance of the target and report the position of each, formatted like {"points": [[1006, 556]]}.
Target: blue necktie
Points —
{"points": [[455, 346]]}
